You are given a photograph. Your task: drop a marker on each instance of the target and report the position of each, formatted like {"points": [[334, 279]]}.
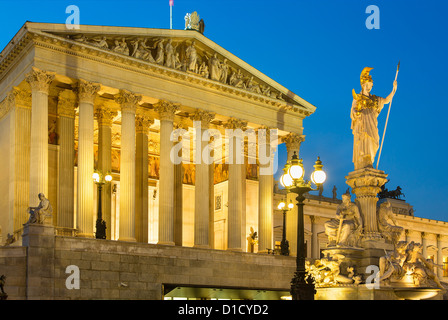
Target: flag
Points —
{"points": [[171, 3]]}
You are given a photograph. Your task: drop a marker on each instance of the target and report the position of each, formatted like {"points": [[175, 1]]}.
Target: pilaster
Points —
{"points": [[105, 116], [67, 101], [19, 102], [142, 124]]}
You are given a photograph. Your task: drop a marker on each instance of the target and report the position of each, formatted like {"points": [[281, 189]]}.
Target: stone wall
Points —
{"points": [[125, 270], [13, 266]]}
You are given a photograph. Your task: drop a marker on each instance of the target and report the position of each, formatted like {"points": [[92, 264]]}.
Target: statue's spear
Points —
{"points": [[387, 119]]}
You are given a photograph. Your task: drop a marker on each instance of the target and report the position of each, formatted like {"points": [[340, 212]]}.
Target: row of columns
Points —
{"points": [[133, 193]]}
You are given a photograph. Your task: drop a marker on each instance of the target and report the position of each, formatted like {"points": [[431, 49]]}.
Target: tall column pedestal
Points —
{"points": [[40, 241], [366, 184]]}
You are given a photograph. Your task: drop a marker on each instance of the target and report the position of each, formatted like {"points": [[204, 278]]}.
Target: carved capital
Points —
{"points": [[128, 101], [366, 182], [87, 91], [18, 98], [142, 123], [39, 80], [233, 123], [166, 109], [293, 141], [67, 103], [204, 116], [105, 116]]}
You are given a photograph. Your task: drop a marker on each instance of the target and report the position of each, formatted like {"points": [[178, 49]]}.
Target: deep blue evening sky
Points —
{"points": [[317, 49]]}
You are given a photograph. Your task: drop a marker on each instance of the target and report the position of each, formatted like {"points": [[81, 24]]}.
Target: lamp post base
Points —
{"points": [[100, 229], [302, 287]]}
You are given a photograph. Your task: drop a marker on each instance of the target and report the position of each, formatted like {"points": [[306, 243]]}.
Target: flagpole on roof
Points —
{"points": [[171, 13]]}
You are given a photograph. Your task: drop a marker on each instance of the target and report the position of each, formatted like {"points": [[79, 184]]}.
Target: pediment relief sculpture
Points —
{"points": [[183, 55]]}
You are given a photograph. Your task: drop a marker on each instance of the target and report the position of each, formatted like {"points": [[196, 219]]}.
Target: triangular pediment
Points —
{"points": [[185, 51]]}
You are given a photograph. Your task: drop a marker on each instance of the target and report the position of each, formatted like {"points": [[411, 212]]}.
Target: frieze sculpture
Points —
{"points": [[346, 228], [43, 213], [407, 260], [181, 55], [364, 115]]}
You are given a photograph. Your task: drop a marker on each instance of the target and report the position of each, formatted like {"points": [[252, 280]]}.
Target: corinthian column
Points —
{"points": [[142, 123], [293, 142], [128, 103], [40, 83], [234, 132], [87, 92], [105, 116], [181, 130], [265, 191], [20, 103], [203, 159], [166, 112], [66, 202]]}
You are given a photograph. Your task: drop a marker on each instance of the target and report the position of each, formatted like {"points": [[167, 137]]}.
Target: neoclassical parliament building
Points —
{"points": [[107, 100]]}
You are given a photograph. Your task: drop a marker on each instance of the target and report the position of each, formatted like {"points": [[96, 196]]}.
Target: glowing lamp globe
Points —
{"points": [[286, 180], [108, 178], [281, 205], [96, 177], [318, 176], [296, 171]]}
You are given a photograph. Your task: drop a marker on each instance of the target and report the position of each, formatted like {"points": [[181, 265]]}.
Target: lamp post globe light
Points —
{"points": [[302, 286], [100, 180], [284, 245]]}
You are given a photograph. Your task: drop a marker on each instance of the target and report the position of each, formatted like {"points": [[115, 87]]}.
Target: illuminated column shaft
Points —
{"points": [[235, 184], [128, 103], [266, 192], [87, 92], [66, 202], [143, 122], [105, 117], [166, 112], [178, 180], [19, 102], [292, 142], [202, 179], [40, 83]]}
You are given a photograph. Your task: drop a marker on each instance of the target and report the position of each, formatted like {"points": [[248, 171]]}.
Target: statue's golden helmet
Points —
{"points": [[365, 75]]}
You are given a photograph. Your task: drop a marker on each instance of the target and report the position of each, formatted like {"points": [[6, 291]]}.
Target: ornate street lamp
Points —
{"points": [[284, 245], [100, 180], [302, 286]]}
